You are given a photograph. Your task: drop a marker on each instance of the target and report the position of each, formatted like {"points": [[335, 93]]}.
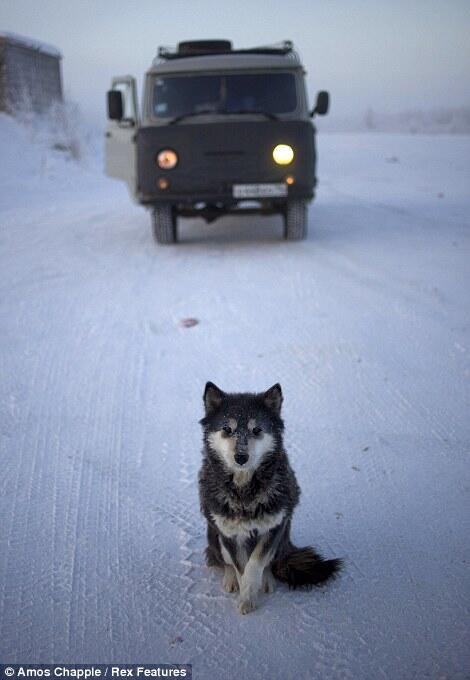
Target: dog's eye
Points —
{"points": [[227, 429], [257, 430]]}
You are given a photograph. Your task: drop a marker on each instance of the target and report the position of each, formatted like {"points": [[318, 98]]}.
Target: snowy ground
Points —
{"points": [[366, 327]]}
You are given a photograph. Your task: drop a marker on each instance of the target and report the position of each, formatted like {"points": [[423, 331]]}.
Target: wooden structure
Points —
{"points": [[30, 74]]}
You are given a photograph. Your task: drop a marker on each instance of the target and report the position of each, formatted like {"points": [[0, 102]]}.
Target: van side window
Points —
{"points": [[126, 91]]}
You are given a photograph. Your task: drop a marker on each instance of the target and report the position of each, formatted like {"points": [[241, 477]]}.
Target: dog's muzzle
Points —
{"points": [[241, 458]]}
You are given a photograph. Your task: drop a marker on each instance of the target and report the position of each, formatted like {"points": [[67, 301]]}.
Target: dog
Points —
{"points": [[248, 492]]}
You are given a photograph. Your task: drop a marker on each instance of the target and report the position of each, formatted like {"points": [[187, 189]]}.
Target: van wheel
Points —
{"points": [[295, 220], [164, 224]]}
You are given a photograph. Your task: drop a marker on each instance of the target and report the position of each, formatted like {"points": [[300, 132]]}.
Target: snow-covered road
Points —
{"points": [[366, 326]]}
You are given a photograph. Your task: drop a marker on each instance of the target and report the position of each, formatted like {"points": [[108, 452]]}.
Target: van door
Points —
{"points": [[120, 145]]}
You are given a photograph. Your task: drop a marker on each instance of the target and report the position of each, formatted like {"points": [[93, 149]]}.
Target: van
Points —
{"points": [[220, 131]]}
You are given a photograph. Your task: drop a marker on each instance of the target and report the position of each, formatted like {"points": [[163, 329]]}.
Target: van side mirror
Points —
{"points": [[322, 105], [115, 106]]}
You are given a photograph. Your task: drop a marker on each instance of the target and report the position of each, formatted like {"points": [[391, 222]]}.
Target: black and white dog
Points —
{"points": [[248, 493]]}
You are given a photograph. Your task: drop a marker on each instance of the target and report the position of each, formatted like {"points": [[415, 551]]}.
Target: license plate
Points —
{"points": [[259, 190]]}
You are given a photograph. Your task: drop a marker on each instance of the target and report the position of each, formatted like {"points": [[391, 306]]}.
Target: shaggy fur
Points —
{"points": [[248, 492]]}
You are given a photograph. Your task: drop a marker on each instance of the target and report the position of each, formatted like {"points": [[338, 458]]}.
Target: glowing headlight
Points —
{"points": [[283, 154], [167, 159]]}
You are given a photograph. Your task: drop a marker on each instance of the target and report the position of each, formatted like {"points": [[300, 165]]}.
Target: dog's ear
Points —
{"points": [[273, 398], [213, 397]]}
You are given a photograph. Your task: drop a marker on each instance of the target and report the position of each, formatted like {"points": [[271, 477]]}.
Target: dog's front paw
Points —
{"points": [[269, 582], [246, 606], [230, 582]]}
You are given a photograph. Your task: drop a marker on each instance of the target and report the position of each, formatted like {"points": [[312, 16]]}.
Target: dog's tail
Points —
{"points": [[303, 567]]}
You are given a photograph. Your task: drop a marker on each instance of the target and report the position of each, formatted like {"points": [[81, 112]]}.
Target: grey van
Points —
{"points": [[221, 130]]}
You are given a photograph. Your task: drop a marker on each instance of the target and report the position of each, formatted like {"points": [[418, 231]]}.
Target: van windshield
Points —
{"points": [[272, 93]]}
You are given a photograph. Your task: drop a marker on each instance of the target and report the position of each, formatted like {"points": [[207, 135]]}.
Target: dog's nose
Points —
{"points": [[241, 458]]}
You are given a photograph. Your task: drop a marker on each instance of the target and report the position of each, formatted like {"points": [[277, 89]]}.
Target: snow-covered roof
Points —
{"points": [[30, 43]]}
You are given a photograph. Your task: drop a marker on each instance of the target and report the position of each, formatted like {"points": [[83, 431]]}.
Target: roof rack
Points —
{"points": [[200, 48]]}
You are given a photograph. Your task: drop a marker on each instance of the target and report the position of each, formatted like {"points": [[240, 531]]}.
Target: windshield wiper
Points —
{"points": [[268, 114], [237, 112], [192, 113]]}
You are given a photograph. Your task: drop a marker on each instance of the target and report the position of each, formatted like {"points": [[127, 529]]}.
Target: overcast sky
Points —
{"points": [[388, 55]]}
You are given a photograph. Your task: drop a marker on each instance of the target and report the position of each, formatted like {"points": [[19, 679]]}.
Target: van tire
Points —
{"points": [[296, 220], [164, 224]]}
